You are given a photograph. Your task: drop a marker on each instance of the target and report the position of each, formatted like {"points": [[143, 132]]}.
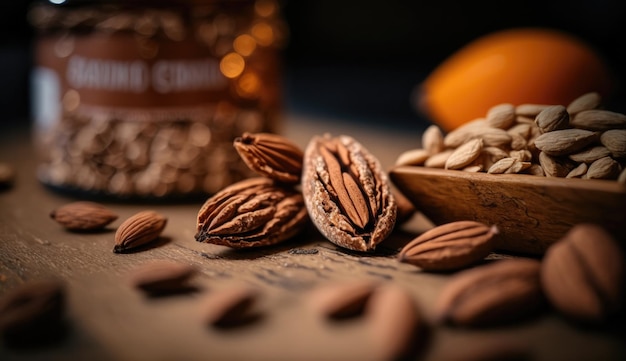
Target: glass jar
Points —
{"points": [[143, 99]]}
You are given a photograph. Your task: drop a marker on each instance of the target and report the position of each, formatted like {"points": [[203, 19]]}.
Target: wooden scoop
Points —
{"points": [[531, 212]]}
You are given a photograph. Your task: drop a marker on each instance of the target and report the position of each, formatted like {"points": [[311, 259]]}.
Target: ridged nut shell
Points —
{"points": [[347, 194], [250, 213]]}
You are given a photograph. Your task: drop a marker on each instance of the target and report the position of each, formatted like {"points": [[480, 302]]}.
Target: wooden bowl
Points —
{"points": [[531, 212]]}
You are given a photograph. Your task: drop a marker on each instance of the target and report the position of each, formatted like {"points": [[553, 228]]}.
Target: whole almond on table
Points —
{"points": [[504, 291], [341, 299], [138, 230], [162, 277], [250, 213], [229, 307], [346, 193], [271, 155], [33, 313], [450, 246], [583, 274], [394, 323], [83, 216]]}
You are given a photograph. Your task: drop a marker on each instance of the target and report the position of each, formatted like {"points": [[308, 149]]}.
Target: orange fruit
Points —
{"points": [[523, 65]]}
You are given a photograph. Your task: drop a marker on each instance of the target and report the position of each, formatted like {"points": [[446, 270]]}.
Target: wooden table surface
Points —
{"points": [[109, 320]]}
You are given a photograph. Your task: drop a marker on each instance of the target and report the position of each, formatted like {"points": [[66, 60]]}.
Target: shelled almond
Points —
{"points": [[579, 140]]}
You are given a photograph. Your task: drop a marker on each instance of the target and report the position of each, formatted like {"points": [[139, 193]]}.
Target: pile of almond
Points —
{"points": [[579, 140], [581, 276], [135, 232]]}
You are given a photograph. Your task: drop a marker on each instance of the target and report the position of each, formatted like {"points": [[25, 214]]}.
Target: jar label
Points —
{"points": [[118, 70]]}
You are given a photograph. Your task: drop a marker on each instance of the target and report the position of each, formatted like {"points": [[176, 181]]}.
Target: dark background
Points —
{"points": [[360, 60]]}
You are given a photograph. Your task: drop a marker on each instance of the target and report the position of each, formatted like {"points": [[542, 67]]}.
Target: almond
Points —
{"points": [[413, 157], [502, 165], [342, 299], [530, 110], [432, 140], [588, 101], [162, 277], [394, 323], [271, 155], [449, 246], [578, 172], [598, 119], [590, 154], [438, 160], [615, 141], [583, 273], [33, 313], [230, 307], [7, 175], [142, 228], [564, 142], [555, 166], [465, 132], [83, 216], [603, 168], [501, 116], [465, 154], [501, 292], [552, 118]]}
